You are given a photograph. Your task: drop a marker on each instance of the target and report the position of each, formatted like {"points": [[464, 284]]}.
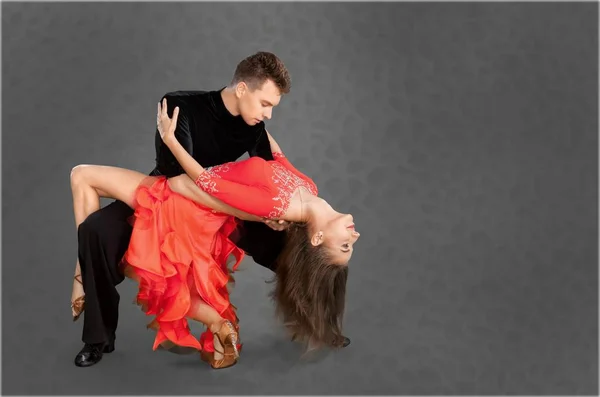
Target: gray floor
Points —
{"points": [[463, 137]]}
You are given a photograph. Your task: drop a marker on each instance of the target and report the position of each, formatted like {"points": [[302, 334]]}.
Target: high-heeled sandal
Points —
{"points": [[77, 306], [228, 337], [227, 361]]}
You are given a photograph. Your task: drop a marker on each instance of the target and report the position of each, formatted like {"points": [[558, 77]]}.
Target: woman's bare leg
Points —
{"points": [[88, 184], [202, 312]]}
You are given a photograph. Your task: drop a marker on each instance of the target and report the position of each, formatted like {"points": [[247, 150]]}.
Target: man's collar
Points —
{"points": [[220, 107]]}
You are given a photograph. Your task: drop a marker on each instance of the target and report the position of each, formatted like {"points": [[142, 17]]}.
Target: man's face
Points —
{"points": [[257, 105]]}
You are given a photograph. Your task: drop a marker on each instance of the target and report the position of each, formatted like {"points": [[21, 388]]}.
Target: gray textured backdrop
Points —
{"points": [[463, 137]]}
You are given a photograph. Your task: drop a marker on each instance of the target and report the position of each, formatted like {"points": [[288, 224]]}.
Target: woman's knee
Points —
{"points": [[78, 175]]}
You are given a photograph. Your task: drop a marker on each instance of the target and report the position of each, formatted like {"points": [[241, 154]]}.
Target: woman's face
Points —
{"points": [[338, 235]]}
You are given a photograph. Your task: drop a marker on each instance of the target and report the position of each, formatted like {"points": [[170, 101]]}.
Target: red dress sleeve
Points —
{"points": [[254, 200], [282, 159]]}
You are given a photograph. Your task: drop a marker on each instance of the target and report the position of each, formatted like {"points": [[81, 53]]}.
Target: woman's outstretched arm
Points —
{"points": [[183, 185]]}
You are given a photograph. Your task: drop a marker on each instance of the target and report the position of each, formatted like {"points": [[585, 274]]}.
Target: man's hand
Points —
{"points": [[277, 225], [166, 126]]}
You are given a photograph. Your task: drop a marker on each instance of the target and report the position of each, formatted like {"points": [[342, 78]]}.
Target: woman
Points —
{"points": [[179, 247]]}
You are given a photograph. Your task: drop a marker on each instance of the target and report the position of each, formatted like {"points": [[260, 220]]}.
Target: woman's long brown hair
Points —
{"points": [[310, 291]]}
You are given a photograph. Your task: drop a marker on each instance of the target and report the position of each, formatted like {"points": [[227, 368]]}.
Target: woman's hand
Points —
{"points": [[165, 125], [277, 225]]}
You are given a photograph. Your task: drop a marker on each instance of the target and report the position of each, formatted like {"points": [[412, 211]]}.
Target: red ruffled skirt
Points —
{"points": [[179, 253]]}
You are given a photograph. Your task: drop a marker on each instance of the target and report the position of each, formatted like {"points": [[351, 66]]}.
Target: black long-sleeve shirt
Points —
{"points": [[207, 131]]}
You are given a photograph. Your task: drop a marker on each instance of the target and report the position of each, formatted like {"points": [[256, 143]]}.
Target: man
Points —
{"points": [[215, 127]]}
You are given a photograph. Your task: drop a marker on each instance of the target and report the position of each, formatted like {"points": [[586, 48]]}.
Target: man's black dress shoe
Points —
{"points": [[92, 353]]}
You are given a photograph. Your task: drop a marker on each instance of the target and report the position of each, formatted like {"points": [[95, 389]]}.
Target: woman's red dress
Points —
{"points": [[179, 249]]}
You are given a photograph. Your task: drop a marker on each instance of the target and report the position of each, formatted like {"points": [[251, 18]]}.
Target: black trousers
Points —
{"points": [[103, 240]]}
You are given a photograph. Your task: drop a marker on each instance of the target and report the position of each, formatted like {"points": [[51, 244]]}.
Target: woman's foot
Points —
{"points": [[77, 297], [225, 342]]}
